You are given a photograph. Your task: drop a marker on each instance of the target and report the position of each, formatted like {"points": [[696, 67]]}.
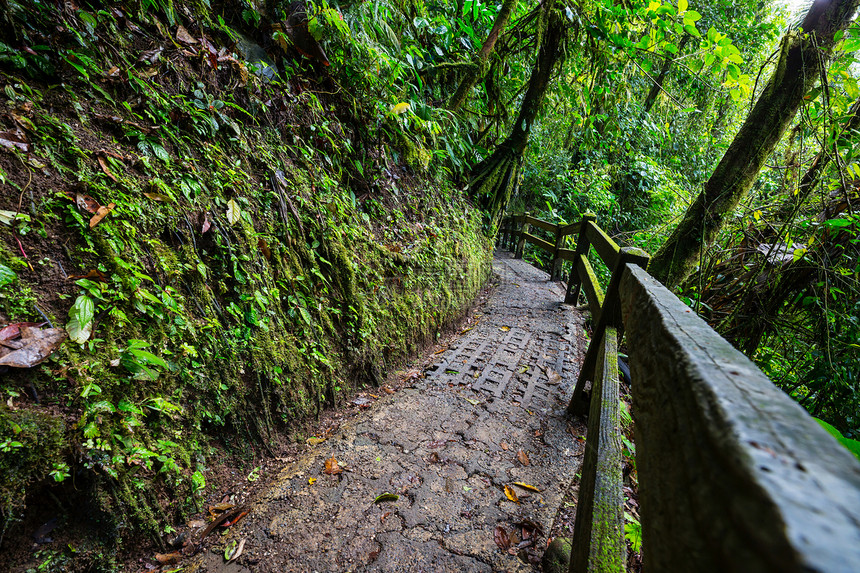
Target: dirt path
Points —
{"points": [[489, 412]]}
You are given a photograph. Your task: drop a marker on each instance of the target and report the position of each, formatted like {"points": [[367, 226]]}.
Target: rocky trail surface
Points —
{"points": [[464, 470]]}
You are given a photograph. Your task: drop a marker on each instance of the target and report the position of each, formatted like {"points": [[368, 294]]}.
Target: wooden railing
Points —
{"points": [[733, 474]]}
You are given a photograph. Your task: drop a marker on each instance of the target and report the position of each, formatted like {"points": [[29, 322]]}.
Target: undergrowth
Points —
{"points": [[270, 242]]}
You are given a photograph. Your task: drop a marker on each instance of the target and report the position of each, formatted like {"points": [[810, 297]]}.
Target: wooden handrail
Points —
{"points": [[734, 475]]}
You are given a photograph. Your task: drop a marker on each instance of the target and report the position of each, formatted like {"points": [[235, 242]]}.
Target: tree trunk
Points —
{"points": [[657, 84], [492, 180], [478, 70], [801, 58], [763, 305]]}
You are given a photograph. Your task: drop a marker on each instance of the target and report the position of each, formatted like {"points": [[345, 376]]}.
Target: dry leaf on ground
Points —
{"points": [[511, 494], [34, 346], [523, 458], [101, 214], [331, 467], [168, 558], [184, 36], [500, 536]]}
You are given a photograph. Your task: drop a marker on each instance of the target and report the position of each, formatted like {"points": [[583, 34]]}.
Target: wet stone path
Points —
{"points": [[488, 413]]}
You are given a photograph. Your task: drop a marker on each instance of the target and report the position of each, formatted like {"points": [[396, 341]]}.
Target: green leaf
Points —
{"points": [[148, 357], [386, 497], [80, 325], [682, 6], [691, 29], [6, 217], [838, 223], [852, 445], [851, 45], [692, 16], [234, 213], [7, 275]]}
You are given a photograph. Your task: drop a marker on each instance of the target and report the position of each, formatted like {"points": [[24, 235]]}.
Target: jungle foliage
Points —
{"points": [[267, 204]]}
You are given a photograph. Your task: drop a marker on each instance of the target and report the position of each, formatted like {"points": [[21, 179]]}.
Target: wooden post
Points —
{"points": [[598, 536], [503, 232], [610, 315], [522, 242], [581, 249], [555, 275], [510, 231]]}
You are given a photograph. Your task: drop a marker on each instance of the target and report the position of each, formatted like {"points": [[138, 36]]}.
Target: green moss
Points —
{"points": [[31, 444]]}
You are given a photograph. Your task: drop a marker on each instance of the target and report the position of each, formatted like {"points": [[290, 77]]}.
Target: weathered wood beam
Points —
{"points": [[733, 474], [598, 537], [538, 242]]}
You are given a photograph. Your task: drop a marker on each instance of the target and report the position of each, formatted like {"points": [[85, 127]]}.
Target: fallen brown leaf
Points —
{"points": [[220, 508], [505, 446], [523, 458], [500, 536], [554, 377], [35, 346], [93, 274], [168, 558], [331, 467], [87, 203], [184, 36], [105, 169], [526, 486], [14, 140], [101, 214], [239, 549]]}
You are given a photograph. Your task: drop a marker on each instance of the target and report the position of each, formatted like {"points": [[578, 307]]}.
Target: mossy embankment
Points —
{"points": [[266, 251]]}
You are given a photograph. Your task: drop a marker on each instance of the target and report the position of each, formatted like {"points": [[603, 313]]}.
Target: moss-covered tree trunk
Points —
{"points": [[479, 69], [801, 59], [493, 178]]}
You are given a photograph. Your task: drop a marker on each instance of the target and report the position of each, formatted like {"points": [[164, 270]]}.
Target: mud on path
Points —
{"points": [[489, 412]]}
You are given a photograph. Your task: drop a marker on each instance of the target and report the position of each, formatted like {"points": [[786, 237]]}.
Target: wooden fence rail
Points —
{"points": [[733, 474]]}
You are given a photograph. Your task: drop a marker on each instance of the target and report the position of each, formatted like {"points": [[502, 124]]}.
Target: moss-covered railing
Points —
{"points": [[733, 474]]}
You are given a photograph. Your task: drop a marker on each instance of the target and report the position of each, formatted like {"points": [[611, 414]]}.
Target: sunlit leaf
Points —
{"points": [[234, 213]]}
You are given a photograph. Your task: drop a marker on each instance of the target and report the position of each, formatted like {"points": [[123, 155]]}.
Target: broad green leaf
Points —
{"points": [[691, 29], [148, 357], [234, 213], [80, 325], [6, 217], [682, 6], [7, 275], [692, 16], [837, 223]]}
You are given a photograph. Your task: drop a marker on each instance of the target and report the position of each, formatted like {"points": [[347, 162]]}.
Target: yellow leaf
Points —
{"points": [[313, 441], [234, 213], [505, 328], [511, 494], [682, 6], [402, 107], [757, 215], [526, 486], [312, 481]]}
